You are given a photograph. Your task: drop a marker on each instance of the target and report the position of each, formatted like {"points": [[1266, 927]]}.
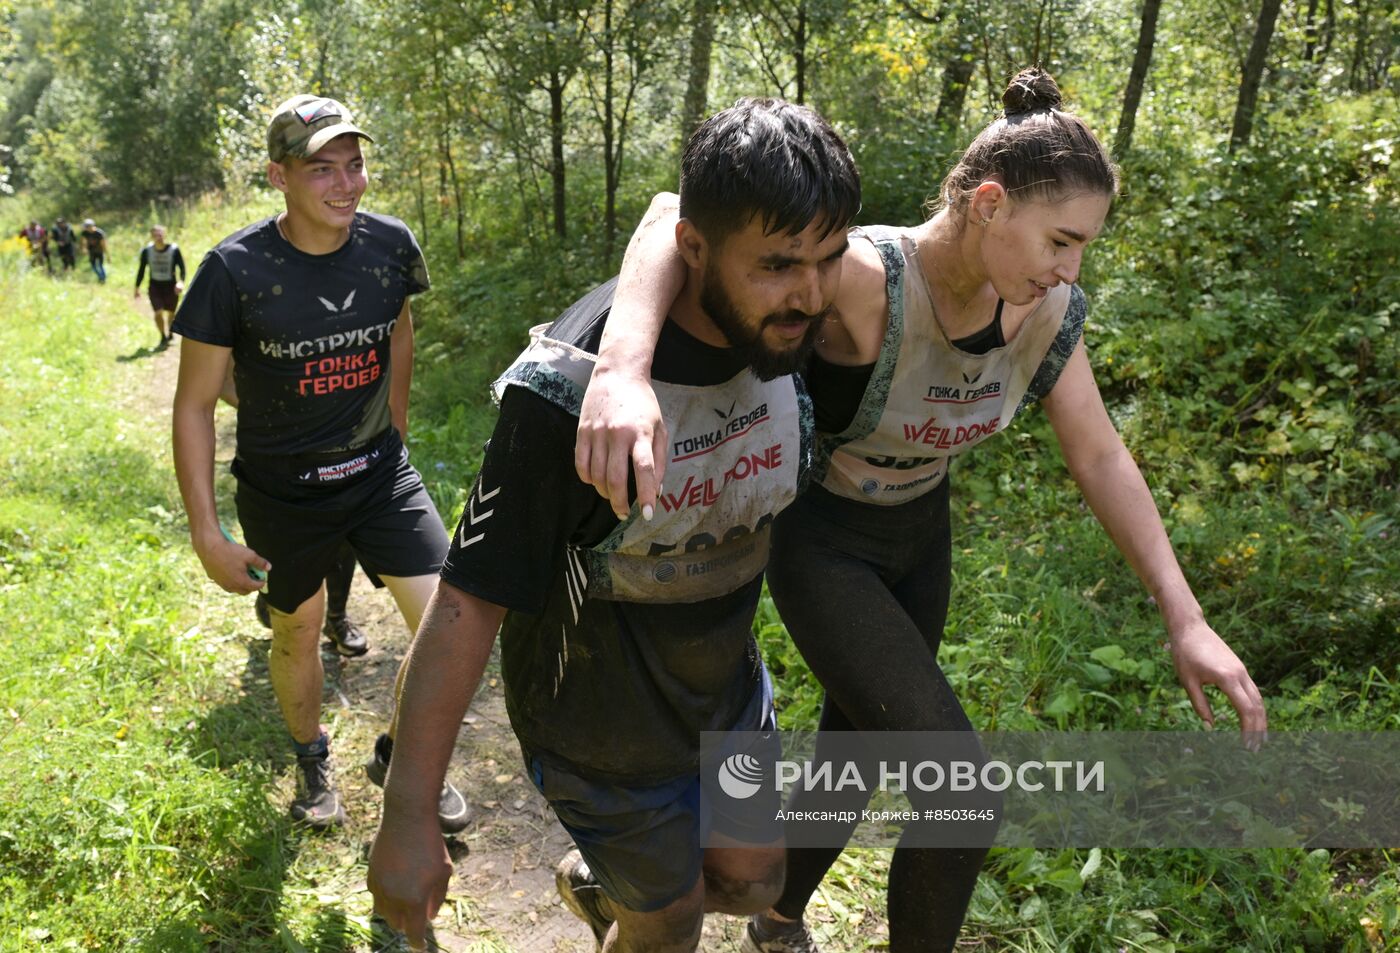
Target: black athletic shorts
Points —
{"points": [[162, 295], [384, 513], [645, 843]]}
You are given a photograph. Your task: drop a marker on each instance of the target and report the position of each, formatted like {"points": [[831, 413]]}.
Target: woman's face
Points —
{"points": [[1030, 247]]}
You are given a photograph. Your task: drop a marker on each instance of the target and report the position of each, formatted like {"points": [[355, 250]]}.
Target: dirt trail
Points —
{"points": [[502, 897]]}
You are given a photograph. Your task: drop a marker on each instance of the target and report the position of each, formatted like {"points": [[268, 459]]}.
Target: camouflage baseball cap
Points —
{"points": [[303, 125]]}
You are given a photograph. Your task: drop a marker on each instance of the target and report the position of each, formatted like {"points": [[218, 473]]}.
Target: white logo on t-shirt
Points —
{"points": [[332, 308]]}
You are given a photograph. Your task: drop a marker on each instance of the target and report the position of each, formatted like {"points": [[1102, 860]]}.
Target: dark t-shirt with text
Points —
{"points": [[310, 334], [619, 690]]}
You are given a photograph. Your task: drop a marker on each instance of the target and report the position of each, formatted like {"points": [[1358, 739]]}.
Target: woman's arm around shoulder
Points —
{"points": [[620, 421]]}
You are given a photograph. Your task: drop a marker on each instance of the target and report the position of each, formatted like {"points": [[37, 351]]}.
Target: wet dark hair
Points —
{"points": [[772, 159], [1039, 151]]}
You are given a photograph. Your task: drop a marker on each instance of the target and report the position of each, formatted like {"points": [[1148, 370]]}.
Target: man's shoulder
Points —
{"points": [[378, 225], [580, 329], [254, 239], [581, 323], [257, 232]]}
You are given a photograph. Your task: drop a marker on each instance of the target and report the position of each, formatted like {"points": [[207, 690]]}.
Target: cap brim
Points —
{"points": [[323, 137]]}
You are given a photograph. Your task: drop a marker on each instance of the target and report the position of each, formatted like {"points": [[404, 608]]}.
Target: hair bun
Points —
{"points": [[1031, 90]]}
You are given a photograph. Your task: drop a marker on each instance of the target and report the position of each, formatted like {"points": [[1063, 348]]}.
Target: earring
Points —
{"points": [[985, 222]]}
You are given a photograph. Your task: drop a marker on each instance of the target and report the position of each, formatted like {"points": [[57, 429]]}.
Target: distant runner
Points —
{"points": [[38, 238], [95, 241], [64, 241], [164, 259]]}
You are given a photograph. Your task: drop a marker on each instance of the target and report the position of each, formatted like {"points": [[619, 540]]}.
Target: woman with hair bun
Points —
{"points": [[940, 334]]}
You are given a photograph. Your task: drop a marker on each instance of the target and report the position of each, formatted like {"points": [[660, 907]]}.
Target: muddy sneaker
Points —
{"points": [[260, 610], [316, 804], [345, 636], [764, 935], [454, 813], [581, 894]]}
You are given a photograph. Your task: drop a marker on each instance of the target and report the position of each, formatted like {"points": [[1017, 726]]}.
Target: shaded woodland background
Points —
{"points": [[516, 121]]}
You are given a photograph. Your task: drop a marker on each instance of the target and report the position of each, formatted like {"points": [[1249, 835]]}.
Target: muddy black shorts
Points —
{"points": [[162, 295], [645, 843], [381, 509]]}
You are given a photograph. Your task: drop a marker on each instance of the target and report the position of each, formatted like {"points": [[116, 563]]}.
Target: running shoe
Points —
{"points": [[582, 894], [454, 813], [316, 805], [769, 936], [346, 636]]}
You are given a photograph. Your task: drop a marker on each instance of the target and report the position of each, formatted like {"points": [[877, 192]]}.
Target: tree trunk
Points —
{"points": [[1358, 56], [609, 147], [445, 135], [1253, 73], [957, 76], [422, 208], [556, 151], [1329, 30], [1132, 96], [697, 85], [1039, 22], [1310, 32], [322, 53], [456, 194], [799, 52]]}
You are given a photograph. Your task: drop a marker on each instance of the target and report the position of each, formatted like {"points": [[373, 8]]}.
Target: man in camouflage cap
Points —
{"points": [[305, 124], [312, 308]]}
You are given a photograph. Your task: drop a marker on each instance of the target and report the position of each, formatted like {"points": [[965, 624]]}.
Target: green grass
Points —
{"points": [[139, 747]]}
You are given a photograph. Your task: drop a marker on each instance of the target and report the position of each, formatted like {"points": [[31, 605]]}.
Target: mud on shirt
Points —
{"points": [[309, 333], [626, 639]]}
